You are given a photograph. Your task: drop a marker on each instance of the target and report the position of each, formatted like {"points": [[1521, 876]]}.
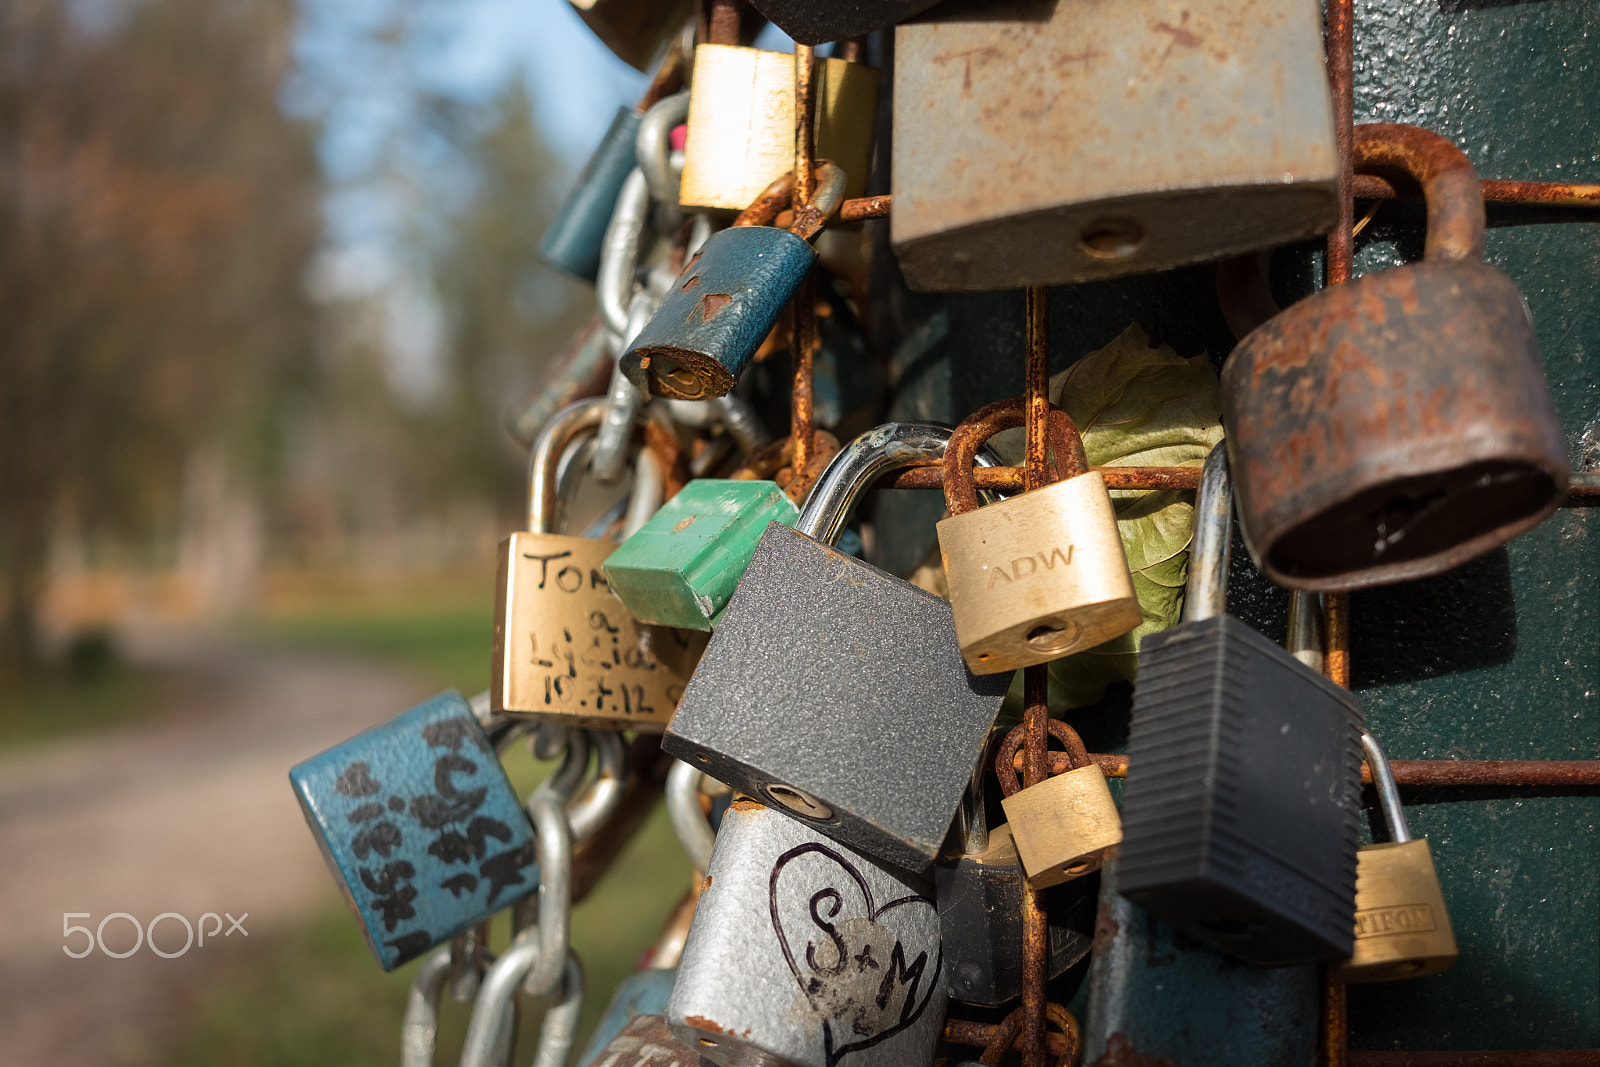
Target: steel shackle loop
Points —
{"points": [[419, 1032], [960, 493], [683, 805], [565, 426], [554, 924], [1205, 593], [492, 1012], [1448, 180], [596, 804], [653, 149], [1394, 816], [1005, 757], [619, 254], [860, 463]]}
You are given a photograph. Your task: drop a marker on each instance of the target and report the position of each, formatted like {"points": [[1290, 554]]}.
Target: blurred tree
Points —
{"points": [[157, 210]]}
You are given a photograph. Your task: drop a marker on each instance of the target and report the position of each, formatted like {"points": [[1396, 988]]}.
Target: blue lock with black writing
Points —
{"points": [[420, 827]]}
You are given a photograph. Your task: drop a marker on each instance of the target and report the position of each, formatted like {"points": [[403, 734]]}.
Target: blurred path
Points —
{"points": [[190, 812]]}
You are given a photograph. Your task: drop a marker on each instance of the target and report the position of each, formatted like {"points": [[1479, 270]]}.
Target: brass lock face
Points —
{"points": [[1402, 927], [565, 647], [1063, 826], [1015, 566], [741, 123], [1038, 575]]}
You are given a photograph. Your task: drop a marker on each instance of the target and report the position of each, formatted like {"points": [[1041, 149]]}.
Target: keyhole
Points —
{"points": [[1112, 238], [801, 803], [1054, 637]]}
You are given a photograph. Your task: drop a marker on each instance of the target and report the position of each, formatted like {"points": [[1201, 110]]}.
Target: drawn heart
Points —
{"points": [[864, 967]]}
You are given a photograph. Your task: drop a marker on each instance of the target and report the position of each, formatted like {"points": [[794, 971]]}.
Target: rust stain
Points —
{"points": [[705, 883], [691, 282], [700, 1022], [684, 524], [1180, 36], [1121, 1053], [746, 804], [709, 305]]}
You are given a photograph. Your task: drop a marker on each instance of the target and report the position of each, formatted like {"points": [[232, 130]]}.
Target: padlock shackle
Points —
{"points": [[861, 462], [564, 427], [419, 1030], [1394, 815], [653, 147], [779, 194], [960, 492], [1006, 756], [1205, 593], [491, 1014], [1449, 183], [619, 253], [688, 821]]}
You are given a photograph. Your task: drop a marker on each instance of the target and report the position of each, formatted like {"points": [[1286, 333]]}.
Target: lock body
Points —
{"points": [[1391, 428], [1105, 139], [806, 953], [419, 826], [573, 240], [567, 650], [810, 22], [1402, 926], [741, 123], [717, 313], [641, 995], [1240, 811], [682, 565], [980, 918], [1038, 576], [634, 30], [1063, 826], [837, 692]]}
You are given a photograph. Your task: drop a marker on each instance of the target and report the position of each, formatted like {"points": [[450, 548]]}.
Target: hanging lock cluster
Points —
{"points": [[868, 859]]}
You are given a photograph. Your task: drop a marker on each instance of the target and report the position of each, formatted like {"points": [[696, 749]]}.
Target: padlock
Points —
{"points": [[980, 912], [572, 240], [806, 953], [811, 22], [564, 647], [1402, 925], [636, 31], [742, 123], [419, 826], [645, 1041], [1397, 425], [683, 564], [1061, 143], [491, 1030], [1064, 825], [1240, 810], [835, 690], [642, 994], [729, 296], [1040, 574]]}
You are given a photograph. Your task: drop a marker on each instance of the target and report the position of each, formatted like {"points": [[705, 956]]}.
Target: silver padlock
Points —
{"points": [[804, 953]]}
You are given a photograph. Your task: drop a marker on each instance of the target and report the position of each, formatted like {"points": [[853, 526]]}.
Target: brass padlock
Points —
{"points": [[1064, 826], [1038, 575], [1402, 927], [565, 648], [741, 123], [636, 31]]}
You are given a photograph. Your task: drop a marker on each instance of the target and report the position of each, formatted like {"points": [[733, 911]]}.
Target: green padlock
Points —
{"points": [[682, 565]]}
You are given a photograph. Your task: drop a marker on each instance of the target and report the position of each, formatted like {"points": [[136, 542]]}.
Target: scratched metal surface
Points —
{"points": [[1501, 658]]}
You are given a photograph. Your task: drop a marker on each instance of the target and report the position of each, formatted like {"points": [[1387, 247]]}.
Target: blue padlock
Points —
{"points": [[729, 296], [420, 827], [572, 241]]}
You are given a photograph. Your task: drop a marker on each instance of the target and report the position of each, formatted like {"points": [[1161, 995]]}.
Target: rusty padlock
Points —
{"points": [[1398, 425], [1044, 144], [1038, 575], [730, 294]]}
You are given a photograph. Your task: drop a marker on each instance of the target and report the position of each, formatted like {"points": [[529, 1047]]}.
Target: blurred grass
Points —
{"points": [[316, 997], [54, 703]]}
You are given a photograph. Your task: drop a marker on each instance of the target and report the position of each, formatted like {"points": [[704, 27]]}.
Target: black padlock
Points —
{"points": [[1240, 812]]}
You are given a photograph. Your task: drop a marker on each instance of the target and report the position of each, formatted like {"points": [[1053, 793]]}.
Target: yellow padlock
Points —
{"points": [[1402, 927], [1064, 826], [741, 123]]}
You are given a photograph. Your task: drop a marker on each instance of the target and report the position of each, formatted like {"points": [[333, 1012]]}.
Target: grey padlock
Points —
{"points": [[804, 953], [836, 690]]}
